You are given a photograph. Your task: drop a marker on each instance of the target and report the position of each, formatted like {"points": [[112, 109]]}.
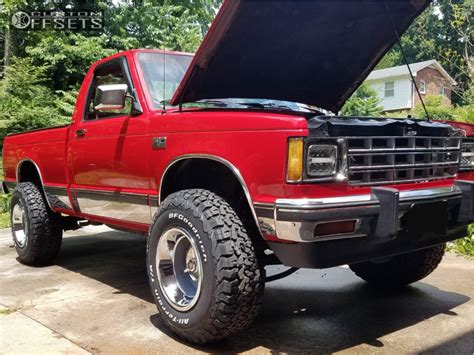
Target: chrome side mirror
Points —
{"points": [[110, 97]]}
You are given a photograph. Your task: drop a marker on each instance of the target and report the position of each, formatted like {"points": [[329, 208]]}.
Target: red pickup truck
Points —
{"points": [[225, 160]]}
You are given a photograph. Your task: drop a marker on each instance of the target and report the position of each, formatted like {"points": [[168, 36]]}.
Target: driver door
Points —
{"points": [[108, 154]]}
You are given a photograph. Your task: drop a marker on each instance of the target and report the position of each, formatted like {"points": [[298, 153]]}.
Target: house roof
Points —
{"points": [[402, 70]]}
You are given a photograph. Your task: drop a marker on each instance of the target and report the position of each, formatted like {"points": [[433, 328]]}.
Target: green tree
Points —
{"points": [[443, 32], [26, 102], [364, 102], [67, 56], [150, 25]]}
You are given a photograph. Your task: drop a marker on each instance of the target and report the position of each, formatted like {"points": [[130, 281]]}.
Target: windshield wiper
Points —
{"points": [[275, 106], [233, 103], [217, 103]]}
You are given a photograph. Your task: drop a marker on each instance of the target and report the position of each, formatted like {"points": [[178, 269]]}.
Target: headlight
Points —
{"points": [[312, 160], [321, 160], [467, 157]]}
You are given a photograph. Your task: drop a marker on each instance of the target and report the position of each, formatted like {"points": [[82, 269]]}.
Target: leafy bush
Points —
{"points": [[5, 203], [440, 111], [464, 246]]}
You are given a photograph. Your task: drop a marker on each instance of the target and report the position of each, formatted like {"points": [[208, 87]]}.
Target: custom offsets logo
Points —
{"points": [[58, 20]]}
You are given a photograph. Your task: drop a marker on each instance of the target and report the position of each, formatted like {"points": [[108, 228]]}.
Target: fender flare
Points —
{"points": [[227, 164], [17, 175]]}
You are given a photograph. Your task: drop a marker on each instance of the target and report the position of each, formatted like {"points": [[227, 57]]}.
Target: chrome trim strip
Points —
{"points": [[137, 199], [58, 197], [229, 165], [404, 196], [261, 205], [115, 205], [154, 204]]}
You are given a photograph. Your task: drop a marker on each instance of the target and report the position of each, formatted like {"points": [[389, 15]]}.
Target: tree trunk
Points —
{"points": [[7, 52]]}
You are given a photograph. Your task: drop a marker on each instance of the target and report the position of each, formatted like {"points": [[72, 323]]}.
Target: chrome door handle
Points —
{"points": [[81, 133]]}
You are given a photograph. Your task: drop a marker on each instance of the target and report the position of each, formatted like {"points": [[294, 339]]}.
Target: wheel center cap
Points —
{"points": [[191, 265]]}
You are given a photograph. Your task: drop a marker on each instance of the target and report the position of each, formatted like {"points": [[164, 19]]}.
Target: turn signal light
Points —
{"points": [[335, 228], [295, 160]]}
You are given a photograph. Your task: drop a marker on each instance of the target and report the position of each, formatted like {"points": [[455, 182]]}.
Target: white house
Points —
{"points": [[397, 92]]}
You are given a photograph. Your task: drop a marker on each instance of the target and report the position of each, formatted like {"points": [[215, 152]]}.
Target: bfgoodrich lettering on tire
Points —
{"points": [[202, 267]]}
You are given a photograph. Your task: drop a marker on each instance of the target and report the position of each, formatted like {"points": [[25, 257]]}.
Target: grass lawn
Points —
{"points": [[4, 220]]}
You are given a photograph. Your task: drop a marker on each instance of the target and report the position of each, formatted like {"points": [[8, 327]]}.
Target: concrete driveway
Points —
{"points": [[96, 299]]}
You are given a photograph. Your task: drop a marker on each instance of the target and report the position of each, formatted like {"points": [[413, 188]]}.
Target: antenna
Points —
{"points": [[406, 61], [164, 80]]}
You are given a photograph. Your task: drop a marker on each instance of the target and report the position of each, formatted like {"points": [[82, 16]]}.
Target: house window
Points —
{"points": [[441, 91], [422, 87], [389, 89]]}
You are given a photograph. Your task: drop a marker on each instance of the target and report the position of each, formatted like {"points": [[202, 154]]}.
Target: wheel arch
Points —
{"points": [[28, 171], [173, 180]]}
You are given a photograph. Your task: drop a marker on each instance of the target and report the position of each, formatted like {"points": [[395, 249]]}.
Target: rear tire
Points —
{"points": [[36, 230], [400, 270], [219, 289]]}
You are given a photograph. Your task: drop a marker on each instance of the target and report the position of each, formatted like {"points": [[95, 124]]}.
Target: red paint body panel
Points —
{"points": [[116, 154], [46, 148], [467, 127]]}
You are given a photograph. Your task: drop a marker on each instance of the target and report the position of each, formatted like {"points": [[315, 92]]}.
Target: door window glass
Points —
{"points": [[107, 75]]}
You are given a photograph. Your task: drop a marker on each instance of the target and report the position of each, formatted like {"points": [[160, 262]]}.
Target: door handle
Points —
{"points": [[81, 133]]}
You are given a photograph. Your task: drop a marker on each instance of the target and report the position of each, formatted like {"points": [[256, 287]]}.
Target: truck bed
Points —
{"points": [[41, 147]]}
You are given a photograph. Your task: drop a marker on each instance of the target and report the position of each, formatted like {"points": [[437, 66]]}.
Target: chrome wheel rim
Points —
{"points": [[19, 226], [179, 268]]}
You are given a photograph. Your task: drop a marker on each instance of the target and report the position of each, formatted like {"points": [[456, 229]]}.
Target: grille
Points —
{"points": [[393, 160], [467, 156]]}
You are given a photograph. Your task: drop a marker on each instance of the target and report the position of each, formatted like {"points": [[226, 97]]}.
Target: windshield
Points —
{"points": [[161, 76]]}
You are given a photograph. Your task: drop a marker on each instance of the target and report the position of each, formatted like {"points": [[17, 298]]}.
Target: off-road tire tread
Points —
{"points": [[44, 227], [401, 270], [240, 281]]}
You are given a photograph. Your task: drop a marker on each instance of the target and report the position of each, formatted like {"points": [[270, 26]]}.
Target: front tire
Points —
{"points": [[400, 270], [36, 230], [202, 267]]}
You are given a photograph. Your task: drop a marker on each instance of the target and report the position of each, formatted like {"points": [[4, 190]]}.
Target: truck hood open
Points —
{"points": [[312, 52]]}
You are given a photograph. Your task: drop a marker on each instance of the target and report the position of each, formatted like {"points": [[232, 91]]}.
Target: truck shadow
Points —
{"points": [[312, 311]]}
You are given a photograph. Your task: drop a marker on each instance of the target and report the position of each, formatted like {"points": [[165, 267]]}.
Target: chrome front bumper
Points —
{"points": [[378, 214]]}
